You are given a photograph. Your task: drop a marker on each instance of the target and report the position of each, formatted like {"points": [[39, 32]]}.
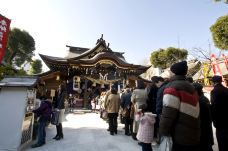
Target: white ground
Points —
{"points": [[87, 132]]}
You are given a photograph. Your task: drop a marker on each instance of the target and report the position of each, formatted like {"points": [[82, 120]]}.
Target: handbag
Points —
{"points": [[166, 144], [126, 112], [104, 114], [55, 117]]}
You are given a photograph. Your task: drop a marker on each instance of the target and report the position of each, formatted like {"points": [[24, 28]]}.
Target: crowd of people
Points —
{"points": [[174, 108]]}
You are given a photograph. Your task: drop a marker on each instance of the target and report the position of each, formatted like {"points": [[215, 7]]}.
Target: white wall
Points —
{"points": [[12, 111]]}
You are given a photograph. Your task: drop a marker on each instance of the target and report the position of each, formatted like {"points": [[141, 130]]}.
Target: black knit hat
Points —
{"points": [[180, 68], [216, 79]]}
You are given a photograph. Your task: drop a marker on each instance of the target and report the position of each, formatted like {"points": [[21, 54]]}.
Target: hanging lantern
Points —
{"points": [[102, 86], [78, 79], [57, 78]]}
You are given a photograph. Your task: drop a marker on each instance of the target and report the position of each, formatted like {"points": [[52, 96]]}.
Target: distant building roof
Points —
{"points": [[23, 81]]}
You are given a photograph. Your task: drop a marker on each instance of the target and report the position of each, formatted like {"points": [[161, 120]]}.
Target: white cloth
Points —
{"points": [[61, 115]]}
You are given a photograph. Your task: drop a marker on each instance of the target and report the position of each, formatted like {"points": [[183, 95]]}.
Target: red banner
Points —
{"points": [[4, 32]]}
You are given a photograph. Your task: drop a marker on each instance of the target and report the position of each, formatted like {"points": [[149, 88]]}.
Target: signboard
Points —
{"points": [[4, 32], [52, 93]]}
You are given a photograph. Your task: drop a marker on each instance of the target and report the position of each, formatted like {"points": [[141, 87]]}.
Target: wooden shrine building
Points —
{"points": [[84, 68]]}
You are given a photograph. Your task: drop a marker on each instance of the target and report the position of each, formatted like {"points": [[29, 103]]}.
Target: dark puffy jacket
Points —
{"points": [[151, 101], [180, 113]]}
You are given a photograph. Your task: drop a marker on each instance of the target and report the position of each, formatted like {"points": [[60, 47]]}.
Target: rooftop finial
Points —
{"points": [[101, 36], [108, 45]]}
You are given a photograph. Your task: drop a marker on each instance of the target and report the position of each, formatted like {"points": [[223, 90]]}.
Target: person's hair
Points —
{"points": [[143, 108], [113, 91], [140, 84], [43, 97], [156, 79], [161, 79], [199, 88]]}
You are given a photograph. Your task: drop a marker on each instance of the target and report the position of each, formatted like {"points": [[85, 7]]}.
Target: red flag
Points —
{"points": [[4, 32], [215, 66]]}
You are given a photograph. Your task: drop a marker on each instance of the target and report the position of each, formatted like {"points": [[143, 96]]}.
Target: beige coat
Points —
{"points": [[112, 104], [138, 97]]}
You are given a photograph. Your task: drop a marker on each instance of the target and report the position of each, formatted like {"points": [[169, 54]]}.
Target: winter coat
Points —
{"points": [[125, 99], [44, 110], [151, 101], [146, 127], [180, 113], [59, 100], [159, 98], [206, 137], [138, 98], [219, 104], [112, 105]]}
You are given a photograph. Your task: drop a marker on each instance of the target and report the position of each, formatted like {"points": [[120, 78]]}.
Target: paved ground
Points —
{"points": [[87, 132]]}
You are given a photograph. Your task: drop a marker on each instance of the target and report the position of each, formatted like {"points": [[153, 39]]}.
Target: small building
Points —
{"points": [[17, 99]]}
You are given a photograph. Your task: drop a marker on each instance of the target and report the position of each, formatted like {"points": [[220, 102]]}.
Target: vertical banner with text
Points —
{"points": [[4, 32]]}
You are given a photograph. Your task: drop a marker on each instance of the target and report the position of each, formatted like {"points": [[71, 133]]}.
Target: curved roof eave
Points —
{"points": [[107, 56]]}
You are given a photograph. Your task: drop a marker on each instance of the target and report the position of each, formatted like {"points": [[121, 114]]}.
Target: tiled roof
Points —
{"points": [[23, 81]]}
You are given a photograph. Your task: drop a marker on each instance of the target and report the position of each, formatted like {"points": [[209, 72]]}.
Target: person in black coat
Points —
{"points": [[58, 103], [126, 105], [219, 104], [152, 96], [206, 137]]}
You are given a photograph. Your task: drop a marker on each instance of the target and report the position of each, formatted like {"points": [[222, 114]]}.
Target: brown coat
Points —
{"points": [[112, 104]]}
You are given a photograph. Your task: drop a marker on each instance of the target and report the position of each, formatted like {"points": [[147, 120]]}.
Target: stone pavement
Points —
{"points": [[87, 132]]}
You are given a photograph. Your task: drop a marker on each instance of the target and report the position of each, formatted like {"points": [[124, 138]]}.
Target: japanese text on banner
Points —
{"points": [[4, 32]]}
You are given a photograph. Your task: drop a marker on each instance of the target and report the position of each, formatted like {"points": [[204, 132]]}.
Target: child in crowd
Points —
{"points": [[146, 128]]}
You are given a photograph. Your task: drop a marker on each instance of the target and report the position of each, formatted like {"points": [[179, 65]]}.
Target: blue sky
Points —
{"points": [[131, 26]]}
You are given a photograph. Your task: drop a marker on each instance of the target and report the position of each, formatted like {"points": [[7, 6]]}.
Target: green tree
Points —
{"points": [[164, 58], [225, 1], [219, 32], [9, 71], [36, 66], [20, 47]]}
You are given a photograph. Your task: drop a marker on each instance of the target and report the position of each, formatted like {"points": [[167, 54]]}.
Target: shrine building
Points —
{"points": [[85, 68]]}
